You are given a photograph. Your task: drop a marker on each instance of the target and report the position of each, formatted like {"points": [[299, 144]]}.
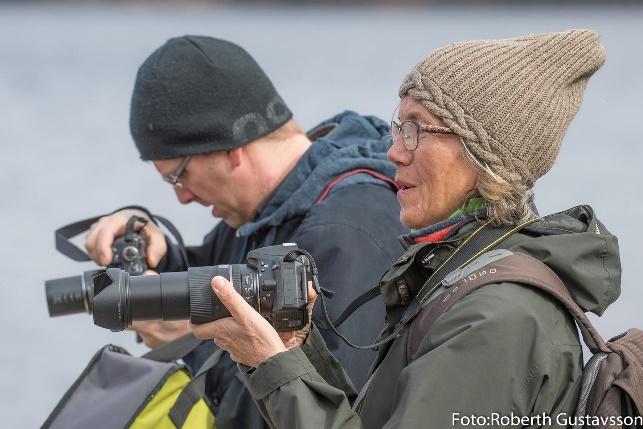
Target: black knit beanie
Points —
{"points": [[198, 94]]}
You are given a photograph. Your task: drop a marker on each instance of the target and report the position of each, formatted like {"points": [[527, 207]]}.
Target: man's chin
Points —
{"points": [[216, 213], [225, 219]]}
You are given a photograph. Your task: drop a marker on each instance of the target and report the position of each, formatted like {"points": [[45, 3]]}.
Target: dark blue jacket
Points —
{"points": [[352, 234]]}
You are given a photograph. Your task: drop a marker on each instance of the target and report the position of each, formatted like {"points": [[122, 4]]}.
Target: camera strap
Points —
{"points": [[484, 238], [63, 235], [158, 219]]}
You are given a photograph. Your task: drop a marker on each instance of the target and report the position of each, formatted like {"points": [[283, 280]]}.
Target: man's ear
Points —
{"points": [[235, 156]]}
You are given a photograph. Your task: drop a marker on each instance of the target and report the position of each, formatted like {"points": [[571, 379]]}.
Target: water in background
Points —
{"points": [[66, 74]]}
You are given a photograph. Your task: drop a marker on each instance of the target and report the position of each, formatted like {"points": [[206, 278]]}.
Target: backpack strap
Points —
{"points": [[510, 267], [194, 391], [350, 173]]}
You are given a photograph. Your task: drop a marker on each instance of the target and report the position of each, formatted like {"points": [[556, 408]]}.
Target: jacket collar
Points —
{"points": [[441, 231]]}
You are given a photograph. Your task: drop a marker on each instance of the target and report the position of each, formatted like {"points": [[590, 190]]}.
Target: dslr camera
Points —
{"points": [[274, 281]]}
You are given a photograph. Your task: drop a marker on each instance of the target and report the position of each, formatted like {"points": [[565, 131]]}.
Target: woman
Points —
{"points": [[478, 123]]}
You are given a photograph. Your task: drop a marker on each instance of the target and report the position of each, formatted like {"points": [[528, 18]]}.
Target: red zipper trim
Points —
{"points": [[338, 179]]}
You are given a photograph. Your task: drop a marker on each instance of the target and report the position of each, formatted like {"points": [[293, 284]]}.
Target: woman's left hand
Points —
{"points": [[247, 336]]}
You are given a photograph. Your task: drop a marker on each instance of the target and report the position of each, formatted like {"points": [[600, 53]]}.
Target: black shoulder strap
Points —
{"points": [[177, 236], [496, 267], [66, 247], [484, 238], [355, 304], [194, 391], [375, 292]]}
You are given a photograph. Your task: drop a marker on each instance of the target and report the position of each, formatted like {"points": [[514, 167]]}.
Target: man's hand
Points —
{"points": [[247, 336], [102, 234], [155, 333]]}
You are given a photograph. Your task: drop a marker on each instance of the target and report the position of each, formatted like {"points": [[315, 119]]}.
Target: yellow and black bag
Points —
{"points": [[118, 390]]}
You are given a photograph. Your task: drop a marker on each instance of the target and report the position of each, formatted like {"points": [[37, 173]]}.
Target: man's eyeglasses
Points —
{"points": [[410, 132], [174, 178]]}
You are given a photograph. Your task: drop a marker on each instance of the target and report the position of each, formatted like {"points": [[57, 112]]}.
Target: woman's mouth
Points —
{"points": [[403, 186]]}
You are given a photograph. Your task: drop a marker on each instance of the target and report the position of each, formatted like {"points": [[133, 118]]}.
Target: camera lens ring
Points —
{"points": [[127, 315], [83, 291]]}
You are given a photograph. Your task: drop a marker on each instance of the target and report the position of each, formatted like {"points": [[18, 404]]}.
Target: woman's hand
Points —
{"points": [[247, 336]]}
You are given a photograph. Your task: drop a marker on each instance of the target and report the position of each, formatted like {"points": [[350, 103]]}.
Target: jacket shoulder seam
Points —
{"points": [[351, 225]]}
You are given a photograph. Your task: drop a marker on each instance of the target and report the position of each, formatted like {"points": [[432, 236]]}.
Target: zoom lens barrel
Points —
{"points": [[65, 296], [70, 295]]}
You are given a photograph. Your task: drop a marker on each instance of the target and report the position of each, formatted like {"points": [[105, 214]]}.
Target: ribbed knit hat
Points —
{"points": [[198, 94], [510, 100]]}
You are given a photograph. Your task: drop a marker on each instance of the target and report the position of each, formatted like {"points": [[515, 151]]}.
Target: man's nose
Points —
{"points": [[184, 195]]}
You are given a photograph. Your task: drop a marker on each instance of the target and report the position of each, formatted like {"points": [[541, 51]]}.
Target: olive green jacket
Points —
{"points": [[503, 350]]}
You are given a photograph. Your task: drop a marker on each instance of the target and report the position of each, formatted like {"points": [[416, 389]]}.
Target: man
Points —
{"points": [[212, 123]]}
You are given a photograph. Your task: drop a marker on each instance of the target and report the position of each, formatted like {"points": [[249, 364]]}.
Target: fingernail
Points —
{"points": [[218, 284]]}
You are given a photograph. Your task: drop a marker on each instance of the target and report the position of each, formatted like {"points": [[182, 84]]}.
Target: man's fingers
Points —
{"points": [[100, 238], [156, 244], [229, 297], [102, 233], [89, 244], [104, 241]]}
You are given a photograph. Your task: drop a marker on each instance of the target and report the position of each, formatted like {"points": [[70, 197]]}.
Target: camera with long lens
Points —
{"points": [[274, 282]]}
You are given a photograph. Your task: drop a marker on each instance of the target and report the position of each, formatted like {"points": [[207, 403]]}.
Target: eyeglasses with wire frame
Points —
{"points": [[174, 178], [410, 132]]}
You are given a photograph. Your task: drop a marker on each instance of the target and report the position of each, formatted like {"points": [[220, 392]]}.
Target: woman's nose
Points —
{"points": [[398, 154]]}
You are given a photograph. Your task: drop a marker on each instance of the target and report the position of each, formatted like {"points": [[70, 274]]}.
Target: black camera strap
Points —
{"points": [[177, 237], [484, 238], [63, 235]]}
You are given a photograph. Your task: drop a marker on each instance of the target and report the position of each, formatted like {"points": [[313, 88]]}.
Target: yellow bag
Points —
{"points": [[118, 390]]}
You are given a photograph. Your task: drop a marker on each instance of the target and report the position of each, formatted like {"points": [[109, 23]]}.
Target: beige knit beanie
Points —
{"points": [[510, 100]]}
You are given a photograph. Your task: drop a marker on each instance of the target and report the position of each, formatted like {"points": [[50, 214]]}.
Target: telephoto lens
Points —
{"points": [[70, 295], [274, 282]]}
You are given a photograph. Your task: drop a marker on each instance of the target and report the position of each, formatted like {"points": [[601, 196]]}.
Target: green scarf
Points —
{"points": [[471, 205]]}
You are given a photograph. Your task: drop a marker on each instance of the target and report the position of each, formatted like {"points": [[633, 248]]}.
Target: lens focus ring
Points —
{"points": [[204, 305]]}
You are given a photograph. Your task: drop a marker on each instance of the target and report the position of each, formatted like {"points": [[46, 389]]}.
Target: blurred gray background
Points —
{"points": [[66, 73]]}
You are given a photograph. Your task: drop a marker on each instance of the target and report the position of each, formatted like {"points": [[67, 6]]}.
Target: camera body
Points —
{"points": [[128, 251], [274, 282]]}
